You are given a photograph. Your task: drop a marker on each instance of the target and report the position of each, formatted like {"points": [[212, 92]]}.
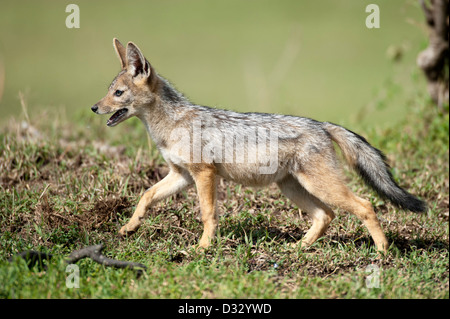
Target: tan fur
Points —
{"points": [[205, 177], [327, 185], [173, 183]]}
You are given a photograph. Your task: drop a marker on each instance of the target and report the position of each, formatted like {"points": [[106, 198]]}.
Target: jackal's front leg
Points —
{"points": [[173, 183], [206, 181]]}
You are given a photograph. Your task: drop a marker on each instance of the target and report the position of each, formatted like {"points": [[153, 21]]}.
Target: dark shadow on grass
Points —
{"points": [[408, 245], [294, 235], [261, 234], [404, 245]]}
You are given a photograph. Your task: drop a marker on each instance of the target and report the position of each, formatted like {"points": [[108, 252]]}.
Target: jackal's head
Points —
{"points": [[132, 91]]}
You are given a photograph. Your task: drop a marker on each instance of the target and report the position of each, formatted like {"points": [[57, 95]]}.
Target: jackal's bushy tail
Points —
{"points": [[371, 165]]}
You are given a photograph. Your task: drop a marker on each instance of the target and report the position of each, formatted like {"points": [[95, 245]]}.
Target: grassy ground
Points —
{"points": [[73, 182]]}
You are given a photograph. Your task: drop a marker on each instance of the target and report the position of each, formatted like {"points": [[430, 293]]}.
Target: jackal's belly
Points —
{"points": [[251, 174]]}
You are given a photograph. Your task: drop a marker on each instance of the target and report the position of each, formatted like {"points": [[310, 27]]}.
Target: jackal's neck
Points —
{"points": [[168, 109], [169, 94]]}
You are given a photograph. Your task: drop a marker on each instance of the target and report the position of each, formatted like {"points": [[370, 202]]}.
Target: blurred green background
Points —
{"points": [[308, 58]]}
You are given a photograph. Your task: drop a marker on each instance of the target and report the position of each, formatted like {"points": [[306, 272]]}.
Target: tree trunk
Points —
{"points": [[434, 59]]}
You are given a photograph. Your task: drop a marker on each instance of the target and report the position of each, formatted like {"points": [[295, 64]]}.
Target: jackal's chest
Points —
{"points": [[178, 158]]}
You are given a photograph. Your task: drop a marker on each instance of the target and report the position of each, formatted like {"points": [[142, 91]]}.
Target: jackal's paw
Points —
{"points": [[293, 245], [300, 245], [202, 245], [128, 230]]}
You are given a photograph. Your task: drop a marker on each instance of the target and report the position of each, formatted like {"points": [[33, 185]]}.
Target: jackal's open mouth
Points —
{"points": [[117, 117]]}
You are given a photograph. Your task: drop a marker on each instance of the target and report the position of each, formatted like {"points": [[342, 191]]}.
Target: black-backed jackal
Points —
{"points": [[202, 144]]}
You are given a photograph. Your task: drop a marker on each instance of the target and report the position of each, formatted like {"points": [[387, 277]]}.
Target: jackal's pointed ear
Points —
{"points": [[121, 53], [136, 63]]}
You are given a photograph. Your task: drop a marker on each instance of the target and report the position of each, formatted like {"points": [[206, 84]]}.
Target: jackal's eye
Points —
{"points": [[118, 93]]}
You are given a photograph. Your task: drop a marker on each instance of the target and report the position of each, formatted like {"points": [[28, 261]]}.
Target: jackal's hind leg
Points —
{"points": [[321, 215], [327, 185]]}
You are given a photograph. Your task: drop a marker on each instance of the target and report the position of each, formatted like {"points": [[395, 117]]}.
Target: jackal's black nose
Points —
{"points": [[94, 108]]}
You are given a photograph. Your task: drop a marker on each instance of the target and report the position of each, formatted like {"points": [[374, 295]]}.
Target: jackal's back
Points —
{"points": [[254, 148]]}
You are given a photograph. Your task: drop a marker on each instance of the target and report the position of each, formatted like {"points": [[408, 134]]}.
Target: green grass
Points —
{"points": [[73, 182]]}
